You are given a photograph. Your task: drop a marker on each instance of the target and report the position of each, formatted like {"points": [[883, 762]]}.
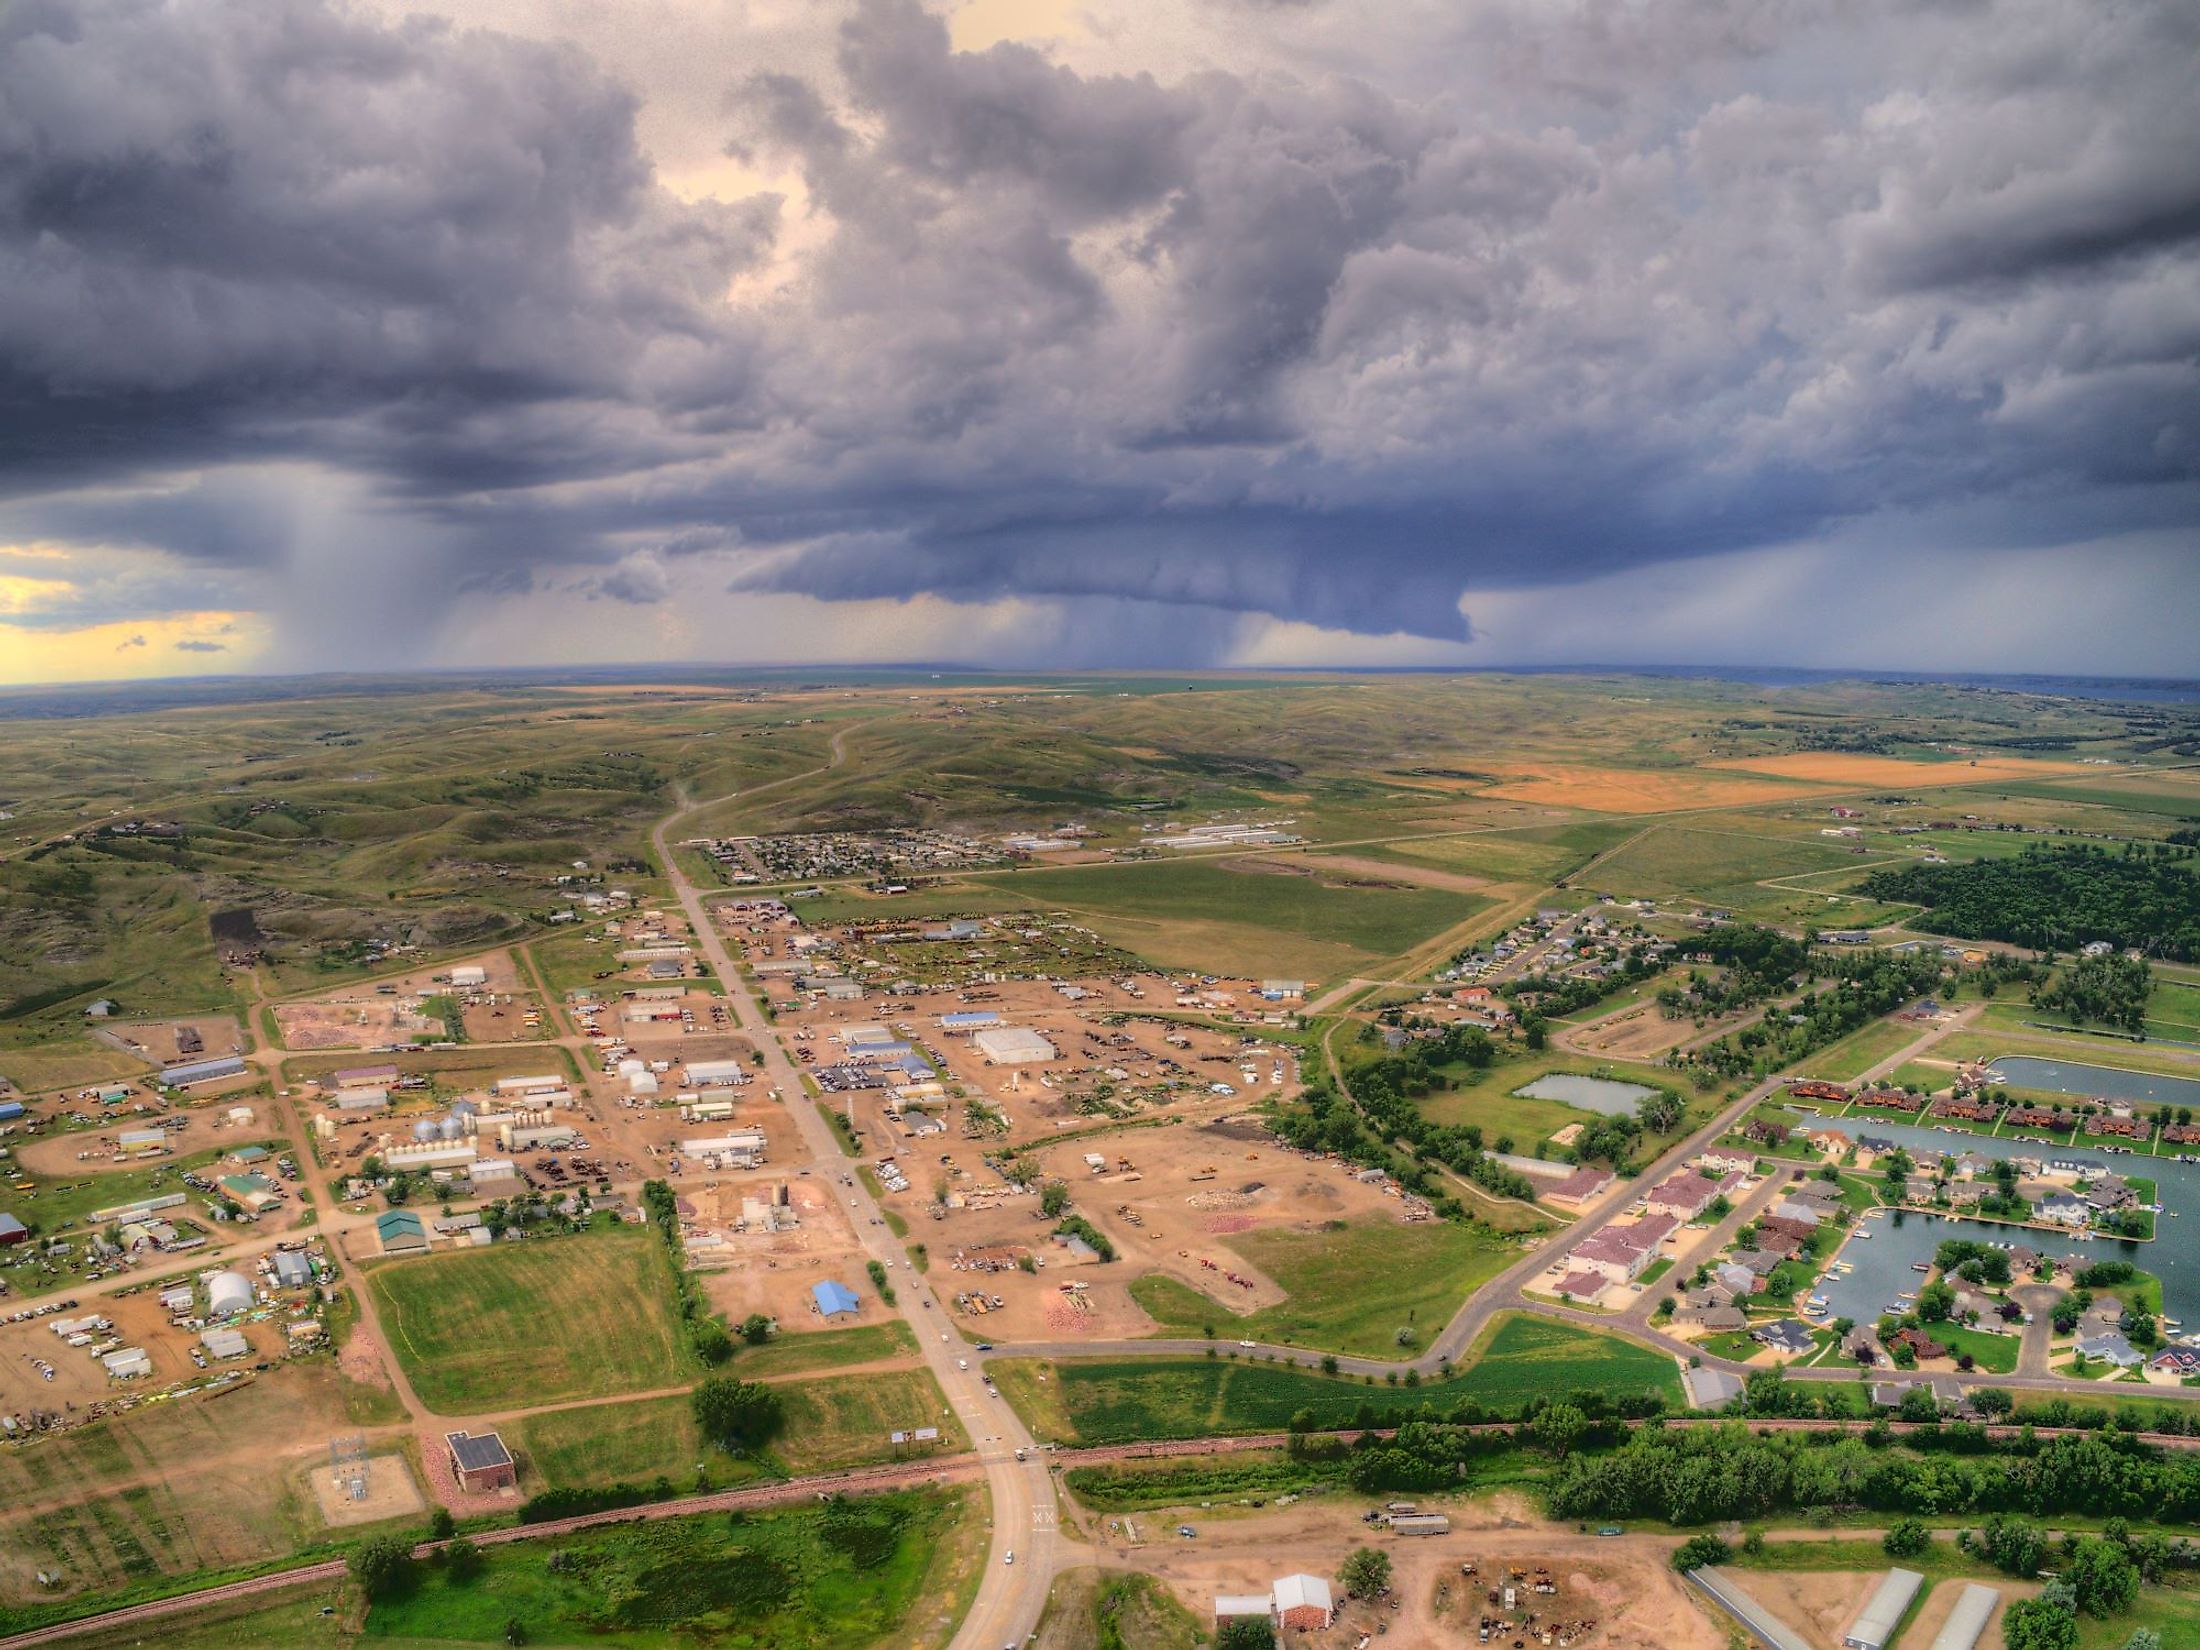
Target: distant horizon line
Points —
{"points": [[2044, 682]]}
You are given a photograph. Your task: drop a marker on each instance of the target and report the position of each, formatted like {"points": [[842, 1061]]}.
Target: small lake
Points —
{"points": [[1884, 1262], [2026, 1071], [1600, 1094]]}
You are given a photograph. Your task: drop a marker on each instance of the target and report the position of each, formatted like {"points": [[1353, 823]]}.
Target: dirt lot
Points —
{"points": [[157, 1040], [771, 1272], [1838, 768], [1638, 1033], [1819, 1604], [502, 1010], [392, 1492], [1627, 1586], [1390, 872], [1632, 791], [80, 1380]]}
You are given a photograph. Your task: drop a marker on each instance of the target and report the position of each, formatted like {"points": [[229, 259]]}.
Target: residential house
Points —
{"points": [[2063, 1209], [2110, 1346], [2177, 1363], [1684, 1196], [1787, 1337]]}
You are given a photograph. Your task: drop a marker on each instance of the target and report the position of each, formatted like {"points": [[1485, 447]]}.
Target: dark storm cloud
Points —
{"points": [[1543, 292]]}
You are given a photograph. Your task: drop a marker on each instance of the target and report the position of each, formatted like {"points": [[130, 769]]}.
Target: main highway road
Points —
{"points": [[1025, 1546]]}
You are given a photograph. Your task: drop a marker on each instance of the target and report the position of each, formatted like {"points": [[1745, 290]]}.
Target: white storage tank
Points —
{"points": [[424, 1130]]}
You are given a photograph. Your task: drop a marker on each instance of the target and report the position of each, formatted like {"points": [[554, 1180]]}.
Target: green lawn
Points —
{"points": [[1104, 1401], [1850, 1058], [1994, 1354], [831, 1577], [534, 1322], [1487, 1099], [825, 1349], [1352, 1289]]}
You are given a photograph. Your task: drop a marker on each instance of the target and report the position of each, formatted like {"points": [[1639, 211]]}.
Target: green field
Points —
{"points": [[825, 1349], [534, 1322], [835, 1421], [1352, 1288], [844, 1420], [1727, 865], [1104, 1401], [1850, 1058], [866, 1572]]}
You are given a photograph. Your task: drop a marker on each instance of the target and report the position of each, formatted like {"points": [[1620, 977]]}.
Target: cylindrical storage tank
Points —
{"points": [[452, 1128], [227, 1294], [463, 1108], [424, 1130]]}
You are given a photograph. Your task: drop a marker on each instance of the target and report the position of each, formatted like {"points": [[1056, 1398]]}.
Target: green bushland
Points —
{"points": [[2059, 898], [534, 1322], [831, 1577], [1108, 1401], [1351, 1286]]}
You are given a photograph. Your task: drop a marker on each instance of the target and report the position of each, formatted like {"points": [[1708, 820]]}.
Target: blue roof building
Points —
{"points": [[832, 1299]]}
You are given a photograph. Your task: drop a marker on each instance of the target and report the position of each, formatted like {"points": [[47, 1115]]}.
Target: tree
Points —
{"points": [[441, 1524], [2012, 1545], [1558, 1427], [2143, 1638], [737, 1415], [2102, 1575], [711, 1342], [1365, 1572], [1906, 1538], [2039, 1624], [515, 1631], [756, 1329], [1936, 1300], [382, 1565], [1246, 1633], [462, 1560], [1053, 1199], [1699, 1551], [1992, 1401], [1535, 1032]]}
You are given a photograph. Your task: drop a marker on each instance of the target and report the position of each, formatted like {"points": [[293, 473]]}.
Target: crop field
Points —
{"points": [[1634, 790], [1539, 856], [1104, 1401], [532, 1323], [1351, 1289], [878, 1570]]}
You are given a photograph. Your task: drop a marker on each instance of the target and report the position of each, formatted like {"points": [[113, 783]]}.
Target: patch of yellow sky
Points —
{"points": [[174, 644]]}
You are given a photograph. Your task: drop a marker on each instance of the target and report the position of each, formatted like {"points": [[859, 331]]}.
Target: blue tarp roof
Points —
{"points": [[833, 1298]]}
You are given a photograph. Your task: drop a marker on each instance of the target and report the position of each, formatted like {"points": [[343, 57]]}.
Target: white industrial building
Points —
{"points": [[491, 1168], [469, 975], [227, 1294], [225, 1343], [527, 1085], [1882, 1612], [362, 1099], [1968, 1619], [1012, 1046], [429, 1154], [128, 1363], [706, 1111], [705, 1074], [534, 1138], [741, 1150]]}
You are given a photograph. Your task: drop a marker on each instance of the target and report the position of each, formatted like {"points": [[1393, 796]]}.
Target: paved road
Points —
{"points": [[1011, 1595]]}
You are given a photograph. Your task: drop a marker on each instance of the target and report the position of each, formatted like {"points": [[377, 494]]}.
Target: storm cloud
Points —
{"points": [[1346, 316]]}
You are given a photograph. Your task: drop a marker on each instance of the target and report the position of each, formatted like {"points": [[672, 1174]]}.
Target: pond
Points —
{"points": [[1599, 1094], [2026, 1071]]}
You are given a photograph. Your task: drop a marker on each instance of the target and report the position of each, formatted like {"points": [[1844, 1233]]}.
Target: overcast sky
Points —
{"points": [[1099, 332]]}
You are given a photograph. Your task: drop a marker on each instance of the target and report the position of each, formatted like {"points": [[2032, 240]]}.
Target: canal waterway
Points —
{"points": [[2138, 1088], [1899, 1238]]}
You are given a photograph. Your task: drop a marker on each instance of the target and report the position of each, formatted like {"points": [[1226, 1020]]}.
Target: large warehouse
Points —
{"points": [[1012, 1046], [1968, 1619], [1882, 1612]]}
